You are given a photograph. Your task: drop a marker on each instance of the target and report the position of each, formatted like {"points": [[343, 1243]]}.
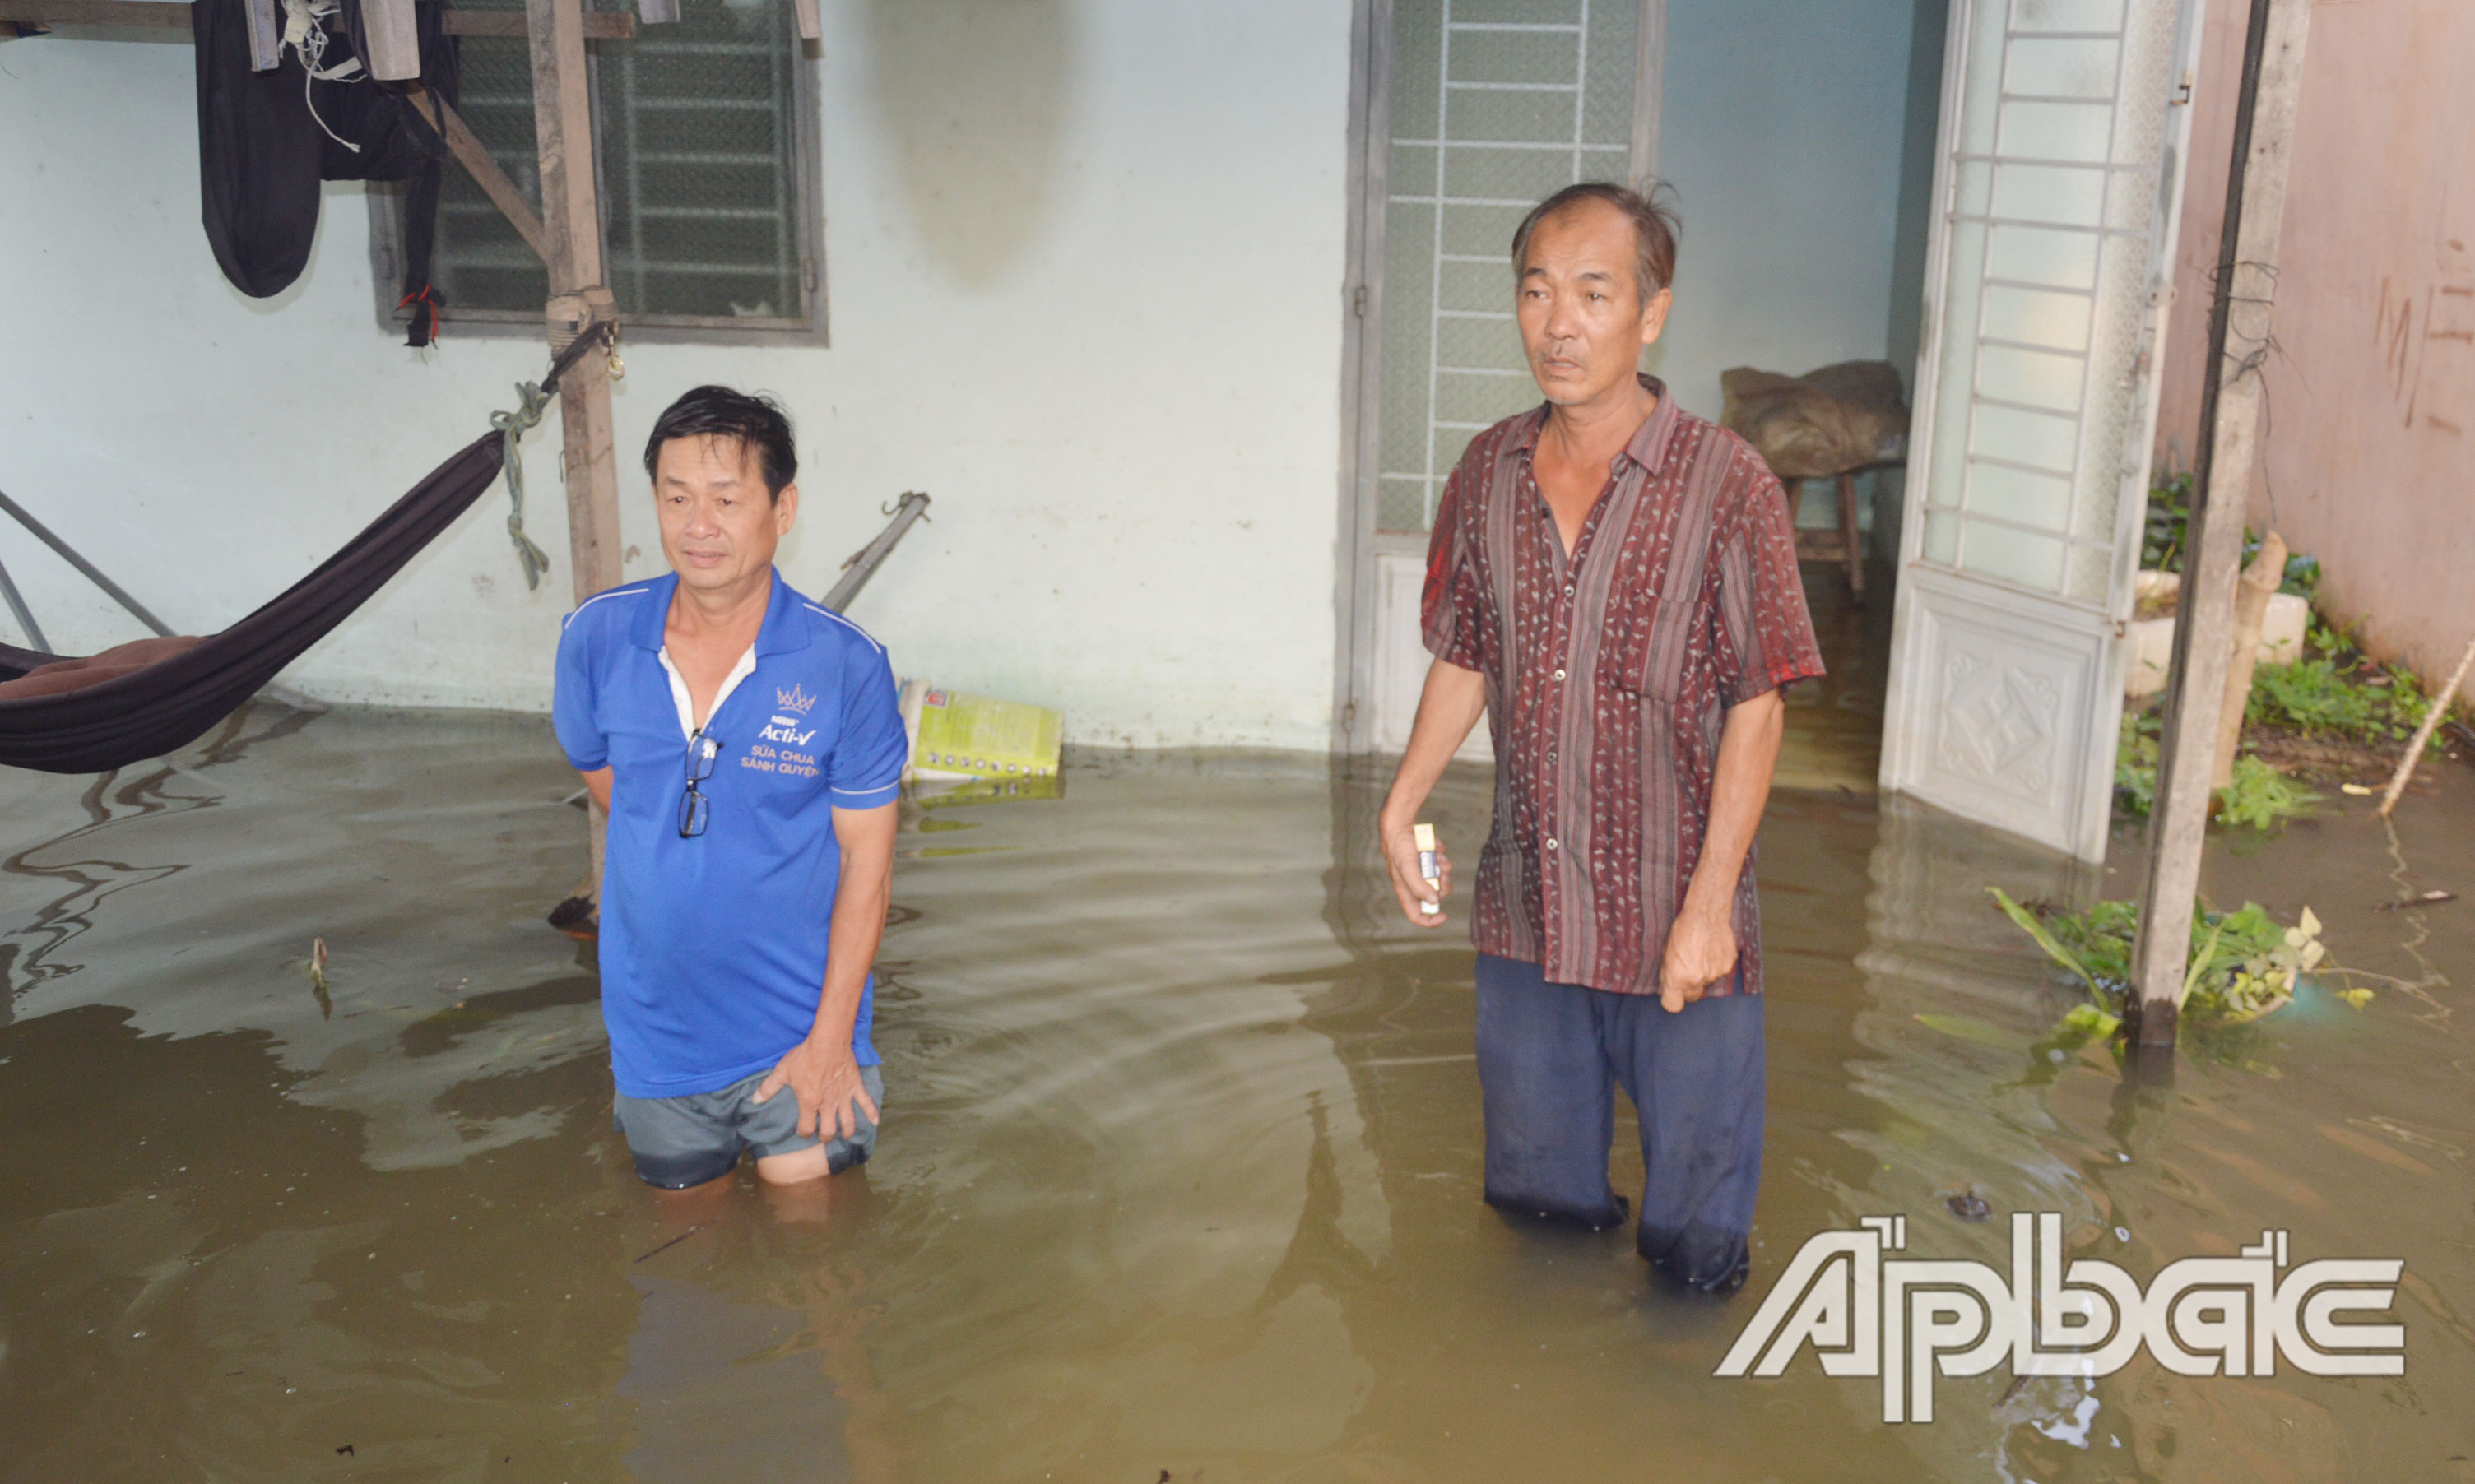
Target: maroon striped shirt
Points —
{"points": [[1609, 678]]}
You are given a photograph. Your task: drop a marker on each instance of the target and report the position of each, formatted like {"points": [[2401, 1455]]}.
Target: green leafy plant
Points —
{"points": [[2302, 574], [2168, 518], [2259, 797], [2166, 530], [2318, 698], [2135, 764], [2244, 964]]}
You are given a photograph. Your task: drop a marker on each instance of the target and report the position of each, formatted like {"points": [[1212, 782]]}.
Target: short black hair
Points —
{"points": [[755, 422], [1654, 229]]}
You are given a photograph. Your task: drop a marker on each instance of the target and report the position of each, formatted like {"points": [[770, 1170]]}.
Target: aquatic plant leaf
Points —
{"points": [[2252, 995], [2028, 924], [2202, 962], [1967, 1028], [2243, 963], [2355, 996], [2262, 797], [2091, 1020]]}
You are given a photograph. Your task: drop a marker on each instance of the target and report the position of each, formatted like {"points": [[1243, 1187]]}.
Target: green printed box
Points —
{"points": [[959, 736]]}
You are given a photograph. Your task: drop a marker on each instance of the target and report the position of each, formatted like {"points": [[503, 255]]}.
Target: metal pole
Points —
{"points": [[25, 615], [864, 565], [68, 553]]}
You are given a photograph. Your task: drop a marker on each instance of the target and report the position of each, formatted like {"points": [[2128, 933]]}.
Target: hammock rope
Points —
{"points": [[512, 427], [533, 398]]}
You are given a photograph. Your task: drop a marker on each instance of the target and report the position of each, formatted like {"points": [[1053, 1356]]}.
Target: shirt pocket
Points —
{"points": [[1649, 661]]}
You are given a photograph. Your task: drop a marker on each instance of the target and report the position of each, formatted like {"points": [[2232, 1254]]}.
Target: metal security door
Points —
{"points": [[1477, 109], [2064, 126]]}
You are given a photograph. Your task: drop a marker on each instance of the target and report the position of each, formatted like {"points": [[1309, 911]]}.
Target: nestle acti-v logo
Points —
{"points": [[1908, 1320], [795, 699]]}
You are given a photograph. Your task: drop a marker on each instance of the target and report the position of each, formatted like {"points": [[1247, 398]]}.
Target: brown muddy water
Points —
{"points": [[1181, 1179]]}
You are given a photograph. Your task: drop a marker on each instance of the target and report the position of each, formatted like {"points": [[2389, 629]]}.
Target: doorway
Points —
{"points": [[1979, 192]]}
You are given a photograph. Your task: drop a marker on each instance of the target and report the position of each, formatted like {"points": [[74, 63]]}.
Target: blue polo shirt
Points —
{"points": [[713, 947]]}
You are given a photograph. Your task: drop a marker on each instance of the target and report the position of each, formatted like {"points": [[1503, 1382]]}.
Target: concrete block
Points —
{"points": [[2148, 644]]}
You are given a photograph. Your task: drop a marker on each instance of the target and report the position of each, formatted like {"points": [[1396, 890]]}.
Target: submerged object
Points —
{"points": [[1966, 1205]]}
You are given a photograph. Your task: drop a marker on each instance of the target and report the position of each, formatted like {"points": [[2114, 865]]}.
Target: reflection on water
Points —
{"points": [[1181, 1171]]}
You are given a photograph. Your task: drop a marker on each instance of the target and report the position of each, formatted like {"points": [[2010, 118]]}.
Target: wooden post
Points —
{"points": [[2231, 401], [572, 224]]}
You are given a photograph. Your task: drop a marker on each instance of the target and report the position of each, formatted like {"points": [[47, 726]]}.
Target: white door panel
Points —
{"points": [[1401, 656], [2063, 132]]}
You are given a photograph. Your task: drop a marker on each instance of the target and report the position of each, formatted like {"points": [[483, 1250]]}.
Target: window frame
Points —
{"points": [[808, 328]]}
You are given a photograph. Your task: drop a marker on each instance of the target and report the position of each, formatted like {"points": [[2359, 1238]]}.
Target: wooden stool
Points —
{"points": [[1844, 544]]}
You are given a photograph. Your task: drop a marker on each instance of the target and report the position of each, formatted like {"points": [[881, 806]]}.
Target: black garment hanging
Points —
{"points": [[265, 139], [173, 701]]}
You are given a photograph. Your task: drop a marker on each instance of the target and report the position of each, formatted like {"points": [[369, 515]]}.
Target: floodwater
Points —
{"points": [[1181, 1179]]}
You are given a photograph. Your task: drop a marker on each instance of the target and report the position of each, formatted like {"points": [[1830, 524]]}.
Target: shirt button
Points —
{"points": [[1551, 842], [1568, 590], [1559, 674]]}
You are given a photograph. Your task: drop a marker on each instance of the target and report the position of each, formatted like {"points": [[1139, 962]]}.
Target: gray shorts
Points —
{"points": [[689, 1141]]}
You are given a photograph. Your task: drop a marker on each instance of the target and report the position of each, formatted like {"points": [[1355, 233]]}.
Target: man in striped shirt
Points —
{"points": [[1612, 582]]}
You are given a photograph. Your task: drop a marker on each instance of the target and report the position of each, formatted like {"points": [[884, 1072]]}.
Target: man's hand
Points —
{"points": [[1448, 707], [1702, 941], [1401, 855], [1700, 951], [825, 1080]]}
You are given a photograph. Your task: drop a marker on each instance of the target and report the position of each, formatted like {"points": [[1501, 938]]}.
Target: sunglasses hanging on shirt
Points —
{"points": [[694, 806]]}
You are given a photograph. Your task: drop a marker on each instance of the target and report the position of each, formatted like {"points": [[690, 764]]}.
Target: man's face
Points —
{"points": [[718, 529], [1582, 321]]}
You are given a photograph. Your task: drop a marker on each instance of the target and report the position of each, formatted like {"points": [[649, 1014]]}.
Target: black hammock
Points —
{"points": [[175, 700]]}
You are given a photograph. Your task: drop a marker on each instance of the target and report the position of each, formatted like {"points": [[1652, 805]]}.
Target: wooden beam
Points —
{"points": [[173, 16], [264, 35], [2232, 402], [599, 25], [96, 13], [474, 157], [811, 26]]}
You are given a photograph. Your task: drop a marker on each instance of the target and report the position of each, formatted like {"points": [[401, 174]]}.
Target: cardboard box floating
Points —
{"points": [[956, 736]]}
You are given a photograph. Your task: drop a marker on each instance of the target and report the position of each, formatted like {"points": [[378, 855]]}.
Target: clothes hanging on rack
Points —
{"points": [[265, 140]]}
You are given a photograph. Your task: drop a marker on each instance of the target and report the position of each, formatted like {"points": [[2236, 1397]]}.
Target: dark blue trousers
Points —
{"points": [[1548, 1056]]}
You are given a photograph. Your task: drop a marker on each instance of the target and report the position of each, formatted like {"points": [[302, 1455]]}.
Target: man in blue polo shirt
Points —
{"points": [[748, 745]]}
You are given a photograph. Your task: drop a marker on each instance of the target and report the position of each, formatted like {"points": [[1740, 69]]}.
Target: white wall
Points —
{"points": [[1085, 262], [1782, 128]]}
